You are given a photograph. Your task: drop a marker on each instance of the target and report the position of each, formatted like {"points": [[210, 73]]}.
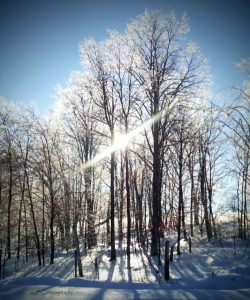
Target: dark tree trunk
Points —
{"points": [[191, 173], [9, 207], [78, 253], [179, 226], [43, 227], [120, 226], [108, 226], [156, 191], [180, 204], [91, 235], [112, 206], [139, 210], [128, 209], [20, 219], [244, 206], [67, 215], [212, 220], [204, 197], [196, 206], [37, 240], [51, 226], [26, 229]]}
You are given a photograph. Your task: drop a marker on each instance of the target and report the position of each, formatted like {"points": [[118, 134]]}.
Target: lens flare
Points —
{"points": [[121, 141]]}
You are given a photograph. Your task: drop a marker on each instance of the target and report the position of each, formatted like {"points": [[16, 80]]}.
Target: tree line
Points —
{"points": [[136, 147]]}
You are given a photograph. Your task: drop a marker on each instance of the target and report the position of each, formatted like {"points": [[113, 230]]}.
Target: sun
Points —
{"points": [[120, 142]]}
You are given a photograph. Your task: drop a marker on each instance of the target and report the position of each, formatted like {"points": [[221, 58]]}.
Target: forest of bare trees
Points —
{"points": [[137, 146]]}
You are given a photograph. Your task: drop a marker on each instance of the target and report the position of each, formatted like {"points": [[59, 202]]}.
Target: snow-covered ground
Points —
{"points": [[219, 270]]}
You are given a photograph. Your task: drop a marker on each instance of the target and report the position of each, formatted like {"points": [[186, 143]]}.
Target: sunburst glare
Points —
{"points": [[122, 141]]}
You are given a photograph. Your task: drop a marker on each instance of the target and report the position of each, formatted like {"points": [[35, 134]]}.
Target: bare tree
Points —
{"points": [[43, 160], [238, 130], [102, 93], [165, 71]]}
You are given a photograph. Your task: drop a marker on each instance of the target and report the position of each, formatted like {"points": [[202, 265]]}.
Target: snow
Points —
{"points": [[51, 288], [219, 270]]}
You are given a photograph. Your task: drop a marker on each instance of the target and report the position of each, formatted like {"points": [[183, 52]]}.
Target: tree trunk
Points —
{"points": [[196, 206], [91, 235], [128, 209], [20, 219], [26, 229], [204, 197], [78, 253], [112, 206], [191, 173], [212, 220], [139, 211], [156, 190], [179, 225], [51, 226], [67, 215], [38, 247], [120, 226], [43, 227], [9, 207], [108, 226]]}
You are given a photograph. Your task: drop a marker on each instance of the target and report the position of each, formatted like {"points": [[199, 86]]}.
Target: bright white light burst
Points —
{"points": [[121, 141]]}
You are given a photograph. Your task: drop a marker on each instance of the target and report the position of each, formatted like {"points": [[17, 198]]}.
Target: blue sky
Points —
{"points": [[39, 40]]}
